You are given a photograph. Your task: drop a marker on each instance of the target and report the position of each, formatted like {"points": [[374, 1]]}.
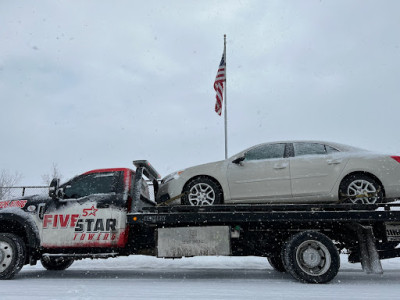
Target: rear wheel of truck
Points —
{"points": [[276, 263], [311, 257], [56, 263], [12, 255]]}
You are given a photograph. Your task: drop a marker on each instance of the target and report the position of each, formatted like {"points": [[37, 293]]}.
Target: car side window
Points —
{"points": [[97, 183], [330, 149], [301, 149], [266, 151]]}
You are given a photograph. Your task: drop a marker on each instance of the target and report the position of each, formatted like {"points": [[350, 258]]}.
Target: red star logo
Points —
{"points": [[89, 211]]}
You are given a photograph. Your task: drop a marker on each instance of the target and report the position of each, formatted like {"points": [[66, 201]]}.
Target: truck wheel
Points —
{"points": [[277, 263], [12, 255], [311, 257], [360, 189], [56, 263], [202, 191]]}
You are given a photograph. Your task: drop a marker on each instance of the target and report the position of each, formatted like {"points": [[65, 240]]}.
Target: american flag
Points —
{"points": [[219, 85]]}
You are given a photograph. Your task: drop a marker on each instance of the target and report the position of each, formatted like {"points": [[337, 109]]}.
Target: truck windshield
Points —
{"points": [[96, 183]]}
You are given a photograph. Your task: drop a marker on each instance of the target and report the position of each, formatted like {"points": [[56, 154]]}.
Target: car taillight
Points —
{"points": [[396, 158]]}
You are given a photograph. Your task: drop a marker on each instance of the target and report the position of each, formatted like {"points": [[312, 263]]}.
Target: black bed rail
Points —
{"points": [[268, 207], [266, 214]]}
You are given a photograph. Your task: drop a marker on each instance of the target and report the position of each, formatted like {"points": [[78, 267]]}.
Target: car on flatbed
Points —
{"points": [[288, 172], [107, 213]]}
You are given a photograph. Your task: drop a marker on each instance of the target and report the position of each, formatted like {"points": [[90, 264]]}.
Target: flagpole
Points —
{"points": [[225, 111]]}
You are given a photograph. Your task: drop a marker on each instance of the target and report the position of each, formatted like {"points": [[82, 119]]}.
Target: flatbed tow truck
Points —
{"points": [[302, 239]]}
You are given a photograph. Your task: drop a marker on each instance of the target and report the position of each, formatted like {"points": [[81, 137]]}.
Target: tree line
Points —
{"points": [[10, 180]]}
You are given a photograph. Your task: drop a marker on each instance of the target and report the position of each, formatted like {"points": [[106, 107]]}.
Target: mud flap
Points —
{"points": [[369, 256]]}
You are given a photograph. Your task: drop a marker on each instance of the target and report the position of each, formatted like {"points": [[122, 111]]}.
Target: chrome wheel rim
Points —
{"points": [[313, 258], [6, 255], [201, 194], [362, 192]]}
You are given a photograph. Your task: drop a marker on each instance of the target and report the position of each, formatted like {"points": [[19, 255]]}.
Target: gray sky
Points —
{"points": [[94, 84]]}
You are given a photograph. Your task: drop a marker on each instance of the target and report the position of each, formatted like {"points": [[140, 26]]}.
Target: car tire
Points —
{"points": [[277, 263], [12, 255], [311, 257], [354, 186], [56, 263], [202, 191]]}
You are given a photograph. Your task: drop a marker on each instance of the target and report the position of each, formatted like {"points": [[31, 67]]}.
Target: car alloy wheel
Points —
{"points": [[359, 188], [201, 194], [202, 191]]}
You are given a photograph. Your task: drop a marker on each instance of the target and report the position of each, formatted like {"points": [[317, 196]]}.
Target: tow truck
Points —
{"points": [[109, 212]]}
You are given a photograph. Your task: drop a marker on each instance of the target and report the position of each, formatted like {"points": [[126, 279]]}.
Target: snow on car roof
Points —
{"points": [[338, 146]]}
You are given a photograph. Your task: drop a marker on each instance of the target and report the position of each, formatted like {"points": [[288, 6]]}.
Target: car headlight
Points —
{"points": [[171, 176]]}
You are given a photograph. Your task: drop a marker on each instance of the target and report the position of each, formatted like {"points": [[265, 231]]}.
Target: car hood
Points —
{"points": [[211, 169]]}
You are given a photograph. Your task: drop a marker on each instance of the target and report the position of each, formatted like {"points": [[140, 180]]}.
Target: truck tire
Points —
{"points": [[277, 263], [56, 263], [311, 257], [12, 255], [202, 191]]}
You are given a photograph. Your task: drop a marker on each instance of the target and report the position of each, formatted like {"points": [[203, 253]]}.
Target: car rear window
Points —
{"points": [[301, 149]]}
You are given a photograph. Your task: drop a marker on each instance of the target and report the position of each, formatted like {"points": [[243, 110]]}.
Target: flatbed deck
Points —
{"points": [[302, 239], [263, 214]]}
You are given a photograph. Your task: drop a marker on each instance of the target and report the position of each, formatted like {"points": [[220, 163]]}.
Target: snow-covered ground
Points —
{"points": [[142, 277]]}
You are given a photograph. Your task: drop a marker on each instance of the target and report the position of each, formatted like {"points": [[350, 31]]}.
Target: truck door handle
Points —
{"points": [[334, 161], [280, 166]]}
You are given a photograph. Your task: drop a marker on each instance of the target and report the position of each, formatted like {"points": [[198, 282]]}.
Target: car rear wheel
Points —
{"points": [[12, 255], [56, 263], [360, 189], [202, 191]]}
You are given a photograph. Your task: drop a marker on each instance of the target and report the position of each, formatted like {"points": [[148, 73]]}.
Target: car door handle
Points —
{"points": [[334, 161], [280, 166]]}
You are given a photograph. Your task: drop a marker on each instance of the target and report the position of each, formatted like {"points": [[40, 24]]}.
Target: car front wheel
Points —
{"points": [[202, 191]]}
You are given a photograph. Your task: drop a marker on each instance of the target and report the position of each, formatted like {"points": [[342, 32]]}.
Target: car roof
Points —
{"points": [[338, 146]]}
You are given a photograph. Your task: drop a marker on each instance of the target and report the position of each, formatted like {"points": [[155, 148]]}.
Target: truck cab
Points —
{"points": [[85, 216], [89, 210]]}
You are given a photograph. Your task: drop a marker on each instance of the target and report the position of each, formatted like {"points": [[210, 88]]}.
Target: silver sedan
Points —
{"points": [[288, 172]]}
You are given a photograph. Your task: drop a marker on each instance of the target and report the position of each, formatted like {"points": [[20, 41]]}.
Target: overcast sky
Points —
{"points": [[94, 84]]}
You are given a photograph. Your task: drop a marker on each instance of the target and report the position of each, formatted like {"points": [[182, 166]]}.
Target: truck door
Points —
{"points": [[91, 213]]}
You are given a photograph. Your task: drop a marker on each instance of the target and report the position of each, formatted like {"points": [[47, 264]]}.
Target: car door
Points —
{"points": [[262, 176], [90, 214], [314, 169]]}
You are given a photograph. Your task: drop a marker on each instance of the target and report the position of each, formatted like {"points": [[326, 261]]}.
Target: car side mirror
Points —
{"points": [[238, 160], [54, 184]]}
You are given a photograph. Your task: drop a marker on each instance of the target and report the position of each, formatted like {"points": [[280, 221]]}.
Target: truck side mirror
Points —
{"points": [[54, 184]]}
